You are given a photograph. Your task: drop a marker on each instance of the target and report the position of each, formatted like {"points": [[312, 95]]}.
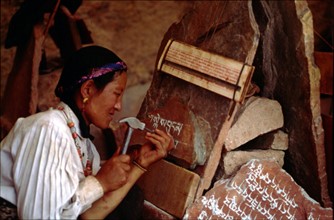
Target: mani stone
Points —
{"points": [[259, 190], [191, 133], [233, 160], [257, 116], [276, 140], [214, 27]]}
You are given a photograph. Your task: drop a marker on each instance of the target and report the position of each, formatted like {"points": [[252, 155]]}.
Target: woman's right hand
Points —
{"points": [[114, 172]]}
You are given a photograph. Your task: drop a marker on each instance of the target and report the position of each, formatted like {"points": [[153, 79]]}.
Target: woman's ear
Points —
{"points": [[87, 89]]}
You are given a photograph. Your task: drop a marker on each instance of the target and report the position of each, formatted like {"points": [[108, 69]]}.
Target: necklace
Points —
{"points": [[71, 125]]}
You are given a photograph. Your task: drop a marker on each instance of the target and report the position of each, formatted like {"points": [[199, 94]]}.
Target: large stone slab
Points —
{"points": [[233, 160], [193, 141], [256, 117], [285, 71], [204, 116], [259, 190]]}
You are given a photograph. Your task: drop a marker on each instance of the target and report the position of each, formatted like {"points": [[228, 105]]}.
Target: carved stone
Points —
{"points": [[261, 190], [233, 160], [209, 114]]}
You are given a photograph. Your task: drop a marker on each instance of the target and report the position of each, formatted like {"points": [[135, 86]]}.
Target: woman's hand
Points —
{"points": [[157, 147], [114, 172]]}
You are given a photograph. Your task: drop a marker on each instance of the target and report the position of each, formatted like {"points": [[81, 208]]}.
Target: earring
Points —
{"points": [[85, 100]]}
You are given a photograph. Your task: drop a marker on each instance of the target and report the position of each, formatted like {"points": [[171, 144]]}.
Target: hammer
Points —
{"points": [[133, 123]]}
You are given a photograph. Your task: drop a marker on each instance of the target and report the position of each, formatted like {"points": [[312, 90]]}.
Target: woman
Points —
{"points": [[49, 166]]}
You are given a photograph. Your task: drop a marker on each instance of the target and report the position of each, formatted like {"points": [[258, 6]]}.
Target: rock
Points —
{"points": [[276, 140], [285, 70], [259, 190], [191, 133], [256, 117], [219, 34], [233, 160]]}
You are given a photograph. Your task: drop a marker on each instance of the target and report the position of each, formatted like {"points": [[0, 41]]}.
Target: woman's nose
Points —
{"points": [[118, 105]]}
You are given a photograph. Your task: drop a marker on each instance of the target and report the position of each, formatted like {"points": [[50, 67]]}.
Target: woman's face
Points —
{"points": [[102, 105]]}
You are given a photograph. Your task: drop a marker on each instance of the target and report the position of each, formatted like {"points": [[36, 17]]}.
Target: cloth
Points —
{"points": [[41, 171]]}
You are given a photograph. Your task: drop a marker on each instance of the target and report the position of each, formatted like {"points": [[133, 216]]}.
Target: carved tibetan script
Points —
{"points": [[260, 190]]}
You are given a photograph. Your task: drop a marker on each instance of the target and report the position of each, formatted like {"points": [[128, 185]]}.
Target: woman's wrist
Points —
{"points": [[139, 166]]}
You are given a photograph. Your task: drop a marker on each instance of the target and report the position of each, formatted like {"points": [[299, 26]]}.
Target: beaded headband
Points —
{"points": [[94, 73], [97, 72]]}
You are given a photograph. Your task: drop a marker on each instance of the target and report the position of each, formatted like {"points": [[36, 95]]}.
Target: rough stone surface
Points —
{"points": [[218, 33], [276, 140], [233, 160], [259, 190], [256, 117], [287, 73], [191, 133]]}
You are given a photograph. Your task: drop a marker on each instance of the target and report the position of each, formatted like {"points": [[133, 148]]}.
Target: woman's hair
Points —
{"points": [[91, 62]]}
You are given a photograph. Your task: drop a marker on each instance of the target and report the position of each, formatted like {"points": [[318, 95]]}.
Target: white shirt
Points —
{"points": [[41, 171]]}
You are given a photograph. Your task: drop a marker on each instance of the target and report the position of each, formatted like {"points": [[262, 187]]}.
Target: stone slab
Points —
{"points": [[204, 115], [259, 190], [256, 117], [286, 71], [233, 160]]}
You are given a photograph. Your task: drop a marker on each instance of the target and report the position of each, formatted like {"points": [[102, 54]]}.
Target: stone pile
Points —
{"points": [[255, 133], [250, 182]]}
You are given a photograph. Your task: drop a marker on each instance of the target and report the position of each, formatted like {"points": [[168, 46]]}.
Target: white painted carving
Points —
{"points": [[260, 192], [156, 120]]}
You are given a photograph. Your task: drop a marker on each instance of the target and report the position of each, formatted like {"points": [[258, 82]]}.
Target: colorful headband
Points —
{"points": [[94, 73], [97, 72]]}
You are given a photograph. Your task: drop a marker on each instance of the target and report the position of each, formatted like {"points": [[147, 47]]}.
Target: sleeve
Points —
{"points": [[48, 175]]}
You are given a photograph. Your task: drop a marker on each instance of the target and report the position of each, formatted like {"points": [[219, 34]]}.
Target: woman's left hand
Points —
{"points": [[157, 147]]}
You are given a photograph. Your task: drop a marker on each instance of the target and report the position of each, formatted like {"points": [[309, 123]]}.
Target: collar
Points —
{"points": [[74, 112]]}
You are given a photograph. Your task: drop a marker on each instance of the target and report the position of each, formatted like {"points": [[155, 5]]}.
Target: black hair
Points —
{"points": [[79, 65]]}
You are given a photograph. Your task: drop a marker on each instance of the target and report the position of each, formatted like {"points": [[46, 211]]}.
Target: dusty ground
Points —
{"points": [[132, 29]]}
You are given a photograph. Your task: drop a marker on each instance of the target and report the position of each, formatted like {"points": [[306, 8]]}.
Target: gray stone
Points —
{"points": [[256, 117]]}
